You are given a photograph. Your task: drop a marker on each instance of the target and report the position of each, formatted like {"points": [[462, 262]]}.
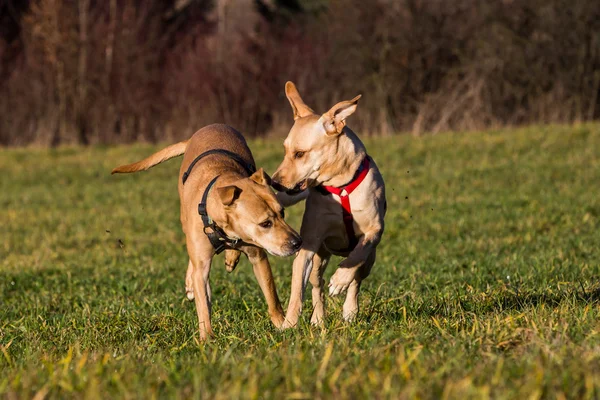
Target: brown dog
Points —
{"points": [[327, 164], [224, 206]]}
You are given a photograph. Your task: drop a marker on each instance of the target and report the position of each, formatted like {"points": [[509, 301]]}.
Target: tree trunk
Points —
{"points": [[82, 81]]}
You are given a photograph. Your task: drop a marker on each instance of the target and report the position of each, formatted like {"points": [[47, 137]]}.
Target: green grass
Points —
{"points": [[486, 283]]}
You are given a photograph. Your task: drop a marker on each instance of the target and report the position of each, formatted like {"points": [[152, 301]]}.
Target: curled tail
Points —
{"points": [[173, 150]]}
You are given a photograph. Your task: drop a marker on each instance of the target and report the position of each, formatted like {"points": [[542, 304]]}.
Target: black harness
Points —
{"points": [[217, 236], [248, 167]]}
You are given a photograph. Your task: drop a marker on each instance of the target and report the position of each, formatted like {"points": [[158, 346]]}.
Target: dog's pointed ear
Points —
{"points": [[261, 177], [229, 194], [334, 120], [298, 107]]}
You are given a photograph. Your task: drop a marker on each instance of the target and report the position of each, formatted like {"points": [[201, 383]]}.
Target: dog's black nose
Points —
{"points": [[296, 243]]}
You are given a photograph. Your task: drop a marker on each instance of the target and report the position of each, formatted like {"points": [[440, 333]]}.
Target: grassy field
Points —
{"points": [[486, 285]]}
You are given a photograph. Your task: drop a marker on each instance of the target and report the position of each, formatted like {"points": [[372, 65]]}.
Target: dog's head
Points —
{"points": [[311, 143], [253, 214]]}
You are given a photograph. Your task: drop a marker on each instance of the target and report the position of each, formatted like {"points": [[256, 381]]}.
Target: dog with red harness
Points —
{"points": [[327, 164]]}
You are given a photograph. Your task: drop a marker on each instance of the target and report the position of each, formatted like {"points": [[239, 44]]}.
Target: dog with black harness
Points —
{"points": [[225, 205]]}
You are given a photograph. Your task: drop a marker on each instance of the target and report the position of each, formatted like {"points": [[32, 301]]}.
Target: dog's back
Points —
{"points": [[213, 137]]}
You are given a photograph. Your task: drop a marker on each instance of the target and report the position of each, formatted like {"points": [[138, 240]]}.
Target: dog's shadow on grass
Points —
{"points": [[496, 302]]}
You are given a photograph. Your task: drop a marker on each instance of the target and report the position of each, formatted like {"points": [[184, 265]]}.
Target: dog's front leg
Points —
{"points": [[288, 200], [264, 276], [201, 253], [202, 297], [347, 270], [300, 273], [189, 284]]}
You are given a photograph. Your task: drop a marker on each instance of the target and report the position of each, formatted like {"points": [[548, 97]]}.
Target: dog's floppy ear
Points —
{"points": [[229, 194], [261, 177], [300, 109], [335, 118]]}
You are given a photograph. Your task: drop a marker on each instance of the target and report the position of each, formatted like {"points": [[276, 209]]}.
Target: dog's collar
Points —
{"points": [[356, 180], [216, 235], [343, 192]]}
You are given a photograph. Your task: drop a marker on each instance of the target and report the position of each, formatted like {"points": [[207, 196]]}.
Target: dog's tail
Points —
{"points": [[173, 150]]}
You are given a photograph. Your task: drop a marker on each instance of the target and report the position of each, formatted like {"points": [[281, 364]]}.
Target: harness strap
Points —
{"points": [[248, 167], [343, 193], [217, 236]]}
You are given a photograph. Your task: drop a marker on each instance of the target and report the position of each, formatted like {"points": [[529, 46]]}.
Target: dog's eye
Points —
{"points": [[299, 154], [266, 224]]}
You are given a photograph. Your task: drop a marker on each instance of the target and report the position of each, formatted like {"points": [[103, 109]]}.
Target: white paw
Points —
{"points": [[340, 281], [316, 320], [350, 315], [287, 325], [189, 293]]}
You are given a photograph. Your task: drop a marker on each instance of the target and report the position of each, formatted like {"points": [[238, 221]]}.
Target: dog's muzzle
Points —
{"points": [[300, 186], [294, 244]]}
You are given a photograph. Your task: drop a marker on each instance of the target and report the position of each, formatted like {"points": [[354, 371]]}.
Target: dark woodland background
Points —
{"points": [[112, 71]]}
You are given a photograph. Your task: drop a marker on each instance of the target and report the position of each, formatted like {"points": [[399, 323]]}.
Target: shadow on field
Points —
{"points": [[59, 290], [496, 302], [66, 287]]}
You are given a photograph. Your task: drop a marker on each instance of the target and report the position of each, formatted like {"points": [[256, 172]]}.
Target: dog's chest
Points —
{"points": [[328, 211], [332, 204]]}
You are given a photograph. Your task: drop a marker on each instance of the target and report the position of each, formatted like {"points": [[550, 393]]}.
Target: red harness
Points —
{"points": [[344, 194]]}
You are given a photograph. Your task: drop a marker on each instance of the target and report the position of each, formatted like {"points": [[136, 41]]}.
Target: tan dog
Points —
{"points": [[244, 213], [323, 156]]}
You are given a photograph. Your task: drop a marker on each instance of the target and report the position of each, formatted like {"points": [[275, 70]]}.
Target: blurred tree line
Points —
{"points": [[109, 71]]}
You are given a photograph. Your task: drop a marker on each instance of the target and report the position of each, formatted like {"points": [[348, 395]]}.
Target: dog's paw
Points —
{"points": [[189, 293], [232, 258], [350, 315], [341, 280], [287, 325], [316, 319], [278, 320], [231, 264]]}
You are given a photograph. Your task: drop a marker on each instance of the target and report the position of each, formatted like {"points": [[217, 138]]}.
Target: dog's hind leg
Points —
{"points": [[350, 307], [320, 261], [189, 284], [232, 258]]}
